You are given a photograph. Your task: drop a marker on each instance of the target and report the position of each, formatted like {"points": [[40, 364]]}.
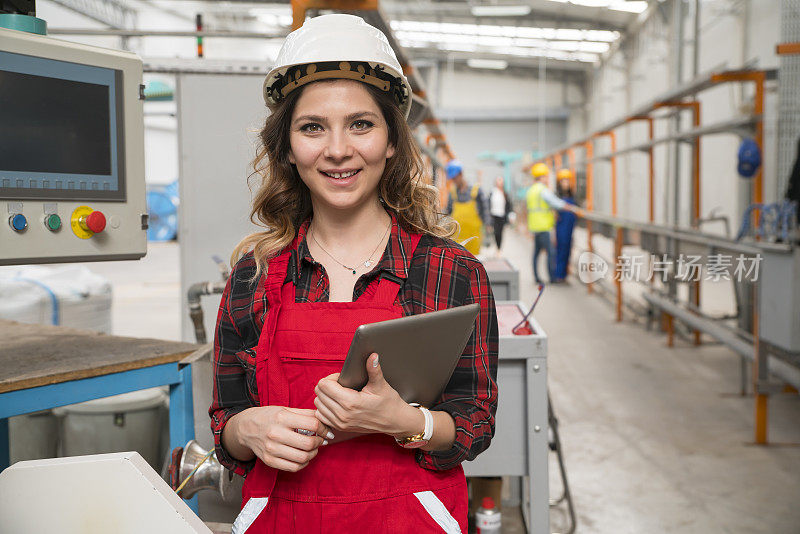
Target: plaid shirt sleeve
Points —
{"points": [[234, 356], [471, 395]]}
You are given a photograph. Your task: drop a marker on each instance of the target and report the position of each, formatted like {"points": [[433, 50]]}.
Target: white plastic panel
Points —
{"points": [[101, 493]]}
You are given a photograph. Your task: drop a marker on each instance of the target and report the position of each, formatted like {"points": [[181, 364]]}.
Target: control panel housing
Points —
{"points": [[72, 185]]}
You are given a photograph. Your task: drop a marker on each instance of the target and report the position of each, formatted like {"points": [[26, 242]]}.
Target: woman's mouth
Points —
{"points": [[341, 175]]}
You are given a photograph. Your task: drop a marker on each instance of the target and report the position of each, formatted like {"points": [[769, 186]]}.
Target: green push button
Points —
{"points": [[53, 222]]}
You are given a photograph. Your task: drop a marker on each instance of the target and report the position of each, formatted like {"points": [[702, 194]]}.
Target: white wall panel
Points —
{"points": [[733, 33], [218, 117]]}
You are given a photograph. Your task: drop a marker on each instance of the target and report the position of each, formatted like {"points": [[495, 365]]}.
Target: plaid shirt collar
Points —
{"points": [[395, 259]]}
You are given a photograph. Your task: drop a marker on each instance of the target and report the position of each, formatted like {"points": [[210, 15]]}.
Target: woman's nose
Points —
{"points": [[338, 146]]}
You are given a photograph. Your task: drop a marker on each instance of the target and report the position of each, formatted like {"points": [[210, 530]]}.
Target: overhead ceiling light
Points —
{"points": [[632, 6], [490, 30], [500, 11], [496, 64]]}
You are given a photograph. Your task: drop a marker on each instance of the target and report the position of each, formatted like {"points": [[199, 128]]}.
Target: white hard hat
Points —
{"points": [[337, 46]]}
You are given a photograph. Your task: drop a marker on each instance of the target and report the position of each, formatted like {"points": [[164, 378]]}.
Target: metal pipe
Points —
{"points": [[741, 347], [195, 308], [696, 322]]}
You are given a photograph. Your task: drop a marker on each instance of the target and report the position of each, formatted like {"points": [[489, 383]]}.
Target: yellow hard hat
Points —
{"points": [[539, 169], [564, 173]]}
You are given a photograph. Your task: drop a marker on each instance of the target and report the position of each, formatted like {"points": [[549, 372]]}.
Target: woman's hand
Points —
{"points": [[270, 432], [376, 408]]}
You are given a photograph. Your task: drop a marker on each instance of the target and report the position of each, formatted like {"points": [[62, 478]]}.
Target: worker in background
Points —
{"points": [[541, 217], [565, 223], [466, 205], [499, 208]]}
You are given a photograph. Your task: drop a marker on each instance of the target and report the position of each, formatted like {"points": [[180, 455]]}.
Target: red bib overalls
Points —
{"points": [[367, 484]]}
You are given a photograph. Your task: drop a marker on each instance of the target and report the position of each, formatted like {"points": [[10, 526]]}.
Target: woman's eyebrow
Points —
{"points": [[348, 118], [359, 115], [312, 118]]}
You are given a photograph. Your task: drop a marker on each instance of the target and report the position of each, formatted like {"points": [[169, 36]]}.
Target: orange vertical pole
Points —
{"points": [[758, 77], [670, 331], [618, 242], [695, 107], [558, 161], [696, 174], [758, 186], [589, 196], [613, 160], [571, 160], [613, 174], [760, 427], [651, 170], [696, 205], [650, 165]]}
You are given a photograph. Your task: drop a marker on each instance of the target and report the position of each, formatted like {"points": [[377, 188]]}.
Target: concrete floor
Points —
{"points": [[656, 439]]}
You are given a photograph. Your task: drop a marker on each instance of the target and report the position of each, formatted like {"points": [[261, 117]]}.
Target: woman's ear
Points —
{"points": [[389, 151], [291, 157]]}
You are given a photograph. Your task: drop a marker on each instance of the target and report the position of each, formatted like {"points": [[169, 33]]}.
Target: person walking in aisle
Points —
{"points": [[499, 208], [541, 219], [565, 223], [466, 205]]}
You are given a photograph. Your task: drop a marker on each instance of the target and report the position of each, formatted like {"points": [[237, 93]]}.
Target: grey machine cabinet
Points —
{"points": [[520, 445], [504, 278]]}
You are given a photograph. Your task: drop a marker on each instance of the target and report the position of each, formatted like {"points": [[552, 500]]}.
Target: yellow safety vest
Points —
{"points": [[540, 215], [469, 221]]}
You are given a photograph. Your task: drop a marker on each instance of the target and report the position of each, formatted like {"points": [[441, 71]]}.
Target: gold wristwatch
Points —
{"points": [[421, 439]]}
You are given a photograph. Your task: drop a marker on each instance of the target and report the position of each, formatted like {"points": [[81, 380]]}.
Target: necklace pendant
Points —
{"points": [[354, 271]]}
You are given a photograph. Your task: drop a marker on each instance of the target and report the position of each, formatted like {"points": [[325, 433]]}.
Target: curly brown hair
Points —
{"points": [[282, 201]]}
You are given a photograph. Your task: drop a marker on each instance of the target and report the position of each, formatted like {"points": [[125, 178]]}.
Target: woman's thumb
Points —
{"points": [[374, 371]]}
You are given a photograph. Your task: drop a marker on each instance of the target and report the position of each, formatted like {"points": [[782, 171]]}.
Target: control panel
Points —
{"points": [[71, 152]]}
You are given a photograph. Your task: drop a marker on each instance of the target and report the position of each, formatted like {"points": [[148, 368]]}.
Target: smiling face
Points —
{"points": [[339, 142]]}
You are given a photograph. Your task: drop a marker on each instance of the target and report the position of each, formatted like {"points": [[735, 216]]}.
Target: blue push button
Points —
{"points": [[18, 222]]}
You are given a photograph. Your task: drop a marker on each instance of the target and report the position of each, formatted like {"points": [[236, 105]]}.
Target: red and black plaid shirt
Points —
{"points": [[440, 275]]}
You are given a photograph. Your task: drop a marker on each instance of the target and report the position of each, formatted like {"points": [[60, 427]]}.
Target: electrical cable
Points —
{"points": [[190, 475], [522, 328]]}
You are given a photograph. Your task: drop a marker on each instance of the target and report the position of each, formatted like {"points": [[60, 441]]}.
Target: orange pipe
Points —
{"points": [[571, 159], [694, 105], [589, 176], [786, 49], [618, 242], [651, 169], [589, 197], [611, 135], [650, 164], [761, 408], [758, 77]]}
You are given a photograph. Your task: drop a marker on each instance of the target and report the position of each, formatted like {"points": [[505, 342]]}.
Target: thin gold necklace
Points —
{"points": [[366, 263]]}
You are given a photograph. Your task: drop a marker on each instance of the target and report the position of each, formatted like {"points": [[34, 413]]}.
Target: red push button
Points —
{"points": [[96, 222]]}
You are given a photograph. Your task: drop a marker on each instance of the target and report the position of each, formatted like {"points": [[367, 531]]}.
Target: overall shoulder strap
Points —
{"points": [[276, 274], [389, 285]]}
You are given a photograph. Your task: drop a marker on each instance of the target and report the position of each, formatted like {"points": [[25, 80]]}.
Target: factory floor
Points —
{"points": [[655, 439]]}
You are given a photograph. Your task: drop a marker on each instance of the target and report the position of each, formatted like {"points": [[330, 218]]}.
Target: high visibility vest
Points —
{"points": [[540, 215], [469, 220]]}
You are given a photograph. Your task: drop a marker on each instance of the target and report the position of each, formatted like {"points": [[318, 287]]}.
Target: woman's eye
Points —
{"points": [[362, 125], [311, 127]]}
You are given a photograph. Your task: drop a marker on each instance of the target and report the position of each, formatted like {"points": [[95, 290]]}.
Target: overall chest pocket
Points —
{"points": [[303, 371]]}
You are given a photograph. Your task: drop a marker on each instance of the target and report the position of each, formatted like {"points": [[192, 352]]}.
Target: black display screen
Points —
{"points": [[52, 125]]}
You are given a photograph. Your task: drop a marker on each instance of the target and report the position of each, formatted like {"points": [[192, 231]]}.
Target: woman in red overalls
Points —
{"points": [[342, 181]]}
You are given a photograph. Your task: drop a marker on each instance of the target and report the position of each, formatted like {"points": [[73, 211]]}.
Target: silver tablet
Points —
{"points": [[418, 353]]}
